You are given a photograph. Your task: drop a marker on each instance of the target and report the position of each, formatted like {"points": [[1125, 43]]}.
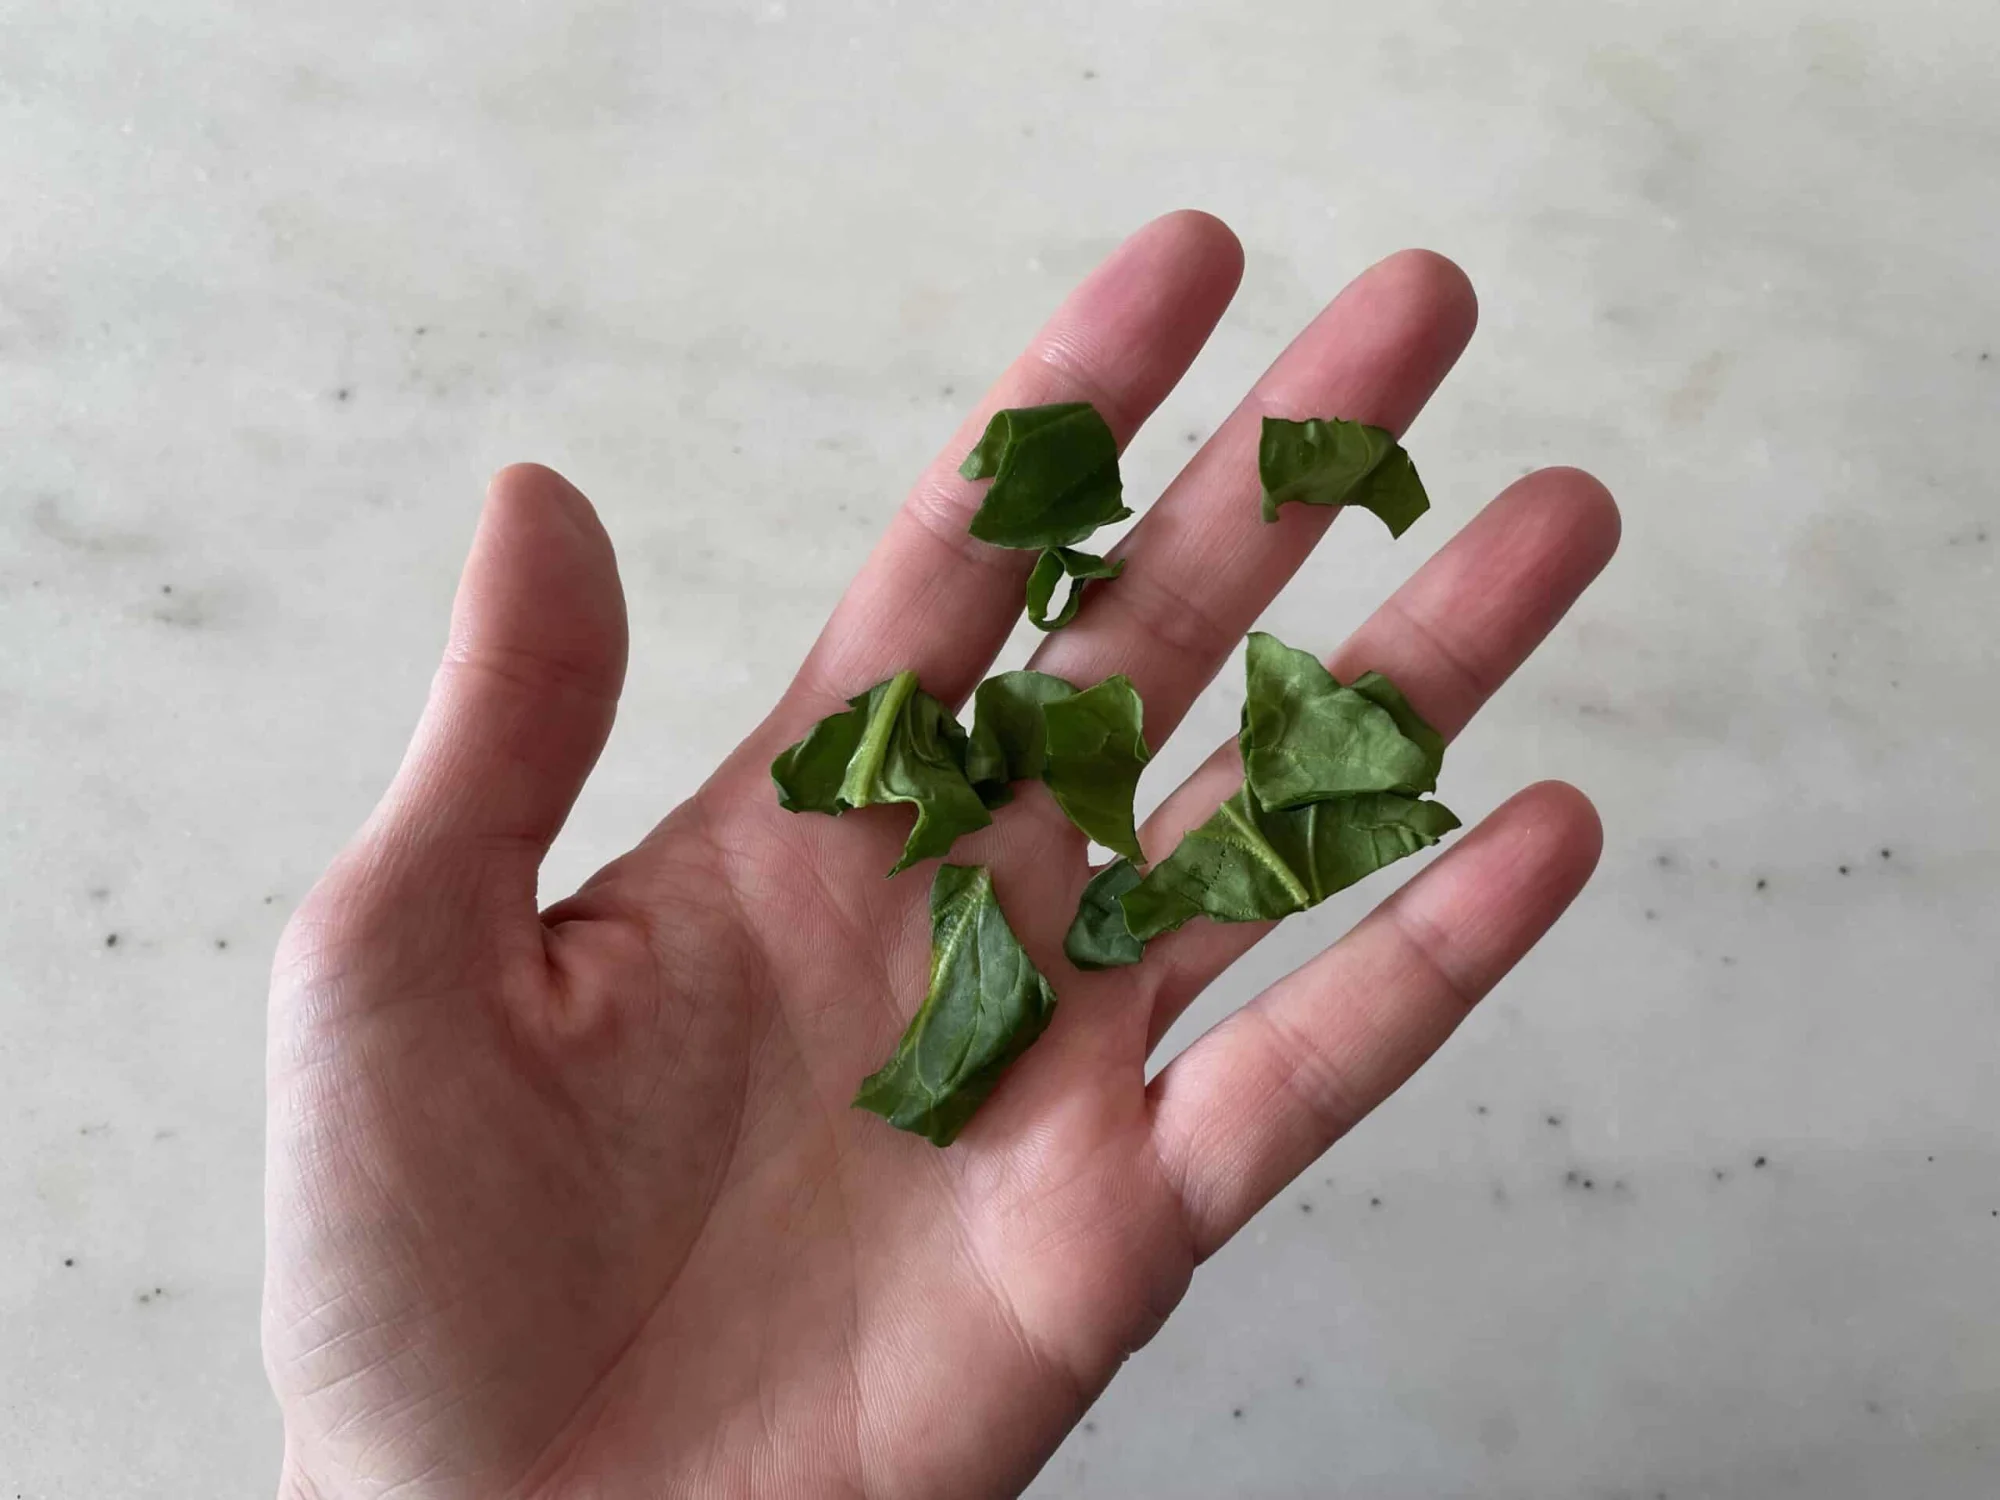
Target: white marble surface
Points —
{"points": [[279, 285]]}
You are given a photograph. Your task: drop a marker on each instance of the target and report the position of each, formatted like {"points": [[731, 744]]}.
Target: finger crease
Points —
{"points": [[530, 671], [1070, 369], [1478, 685], [1166, 617], [1422, 946], [1308, 1073], [940, 509]]}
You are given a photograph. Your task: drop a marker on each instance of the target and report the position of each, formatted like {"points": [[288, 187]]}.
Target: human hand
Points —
{"points": [[573, 1202]]}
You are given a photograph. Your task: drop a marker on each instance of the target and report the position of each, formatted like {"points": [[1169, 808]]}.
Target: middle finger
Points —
{"points": [[1202, 565]]}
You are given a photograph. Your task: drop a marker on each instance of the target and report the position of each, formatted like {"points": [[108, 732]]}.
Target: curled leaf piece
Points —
{"points": [[1096, 752], [1249, 863], [1099, 938], [1306, 738], [1055, 481], [895, 743], [1055, 476], [1330, 461], [1010, 740], [1051, 568], [984, 1006]]}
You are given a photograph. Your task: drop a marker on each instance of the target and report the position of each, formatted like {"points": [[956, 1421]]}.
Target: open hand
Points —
{"points": [[573, 1203]]}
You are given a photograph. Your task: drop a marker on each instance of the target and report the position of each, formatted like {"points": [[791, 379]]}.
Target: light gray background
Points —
{"points": [[280, 284]]}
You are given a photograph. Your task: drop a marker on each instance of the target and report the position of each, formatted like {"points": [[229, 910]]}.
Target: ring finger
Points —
{"points": [[1448, 639]]}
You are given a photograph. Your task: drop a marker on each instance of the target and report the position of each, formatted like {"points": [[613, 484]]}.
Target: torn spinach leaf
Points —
{"points": [[1009, 739], [1088, 746], [1250, 863], [1329, 461], [1055, 476], [1386, 696], [1096, 751], [1054, 565], [1099, 938], [895, 743], [985, 1004], [1306, 738]]}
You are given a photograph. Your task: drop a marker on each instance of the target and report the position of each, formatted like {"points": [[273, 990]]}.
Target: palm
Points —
{"points": [[575, 1203]]}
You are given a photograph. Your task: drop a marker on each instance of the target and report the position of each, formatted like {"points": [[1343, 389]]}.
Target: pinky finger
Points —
{"points": [[1255, 1101]]}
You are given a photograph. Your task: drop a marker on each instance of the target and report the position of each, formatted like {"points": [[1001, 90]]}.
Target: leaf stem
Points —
{"points": [[866, 764]]}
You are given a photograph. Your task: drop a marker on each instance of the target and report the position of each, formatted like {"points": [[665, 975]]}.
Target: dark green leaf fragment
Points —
{"points": [[1054, 565], [1386, 696], [809, 773], [1099, 938], [1055, 476], [895, 743], [1249, 863], [1329, 461], [1306, 738], [1088, 746], [984, 1006], [1009, 739], [1055, 481], [1096, 751]]}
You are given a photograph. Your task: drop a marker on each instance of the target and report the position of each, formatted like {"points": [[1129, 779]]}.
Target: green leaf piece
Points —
{"points": [[1306, 738], [1099, 938], [1054, 565], [895, 743], [809, 773], [1055, 476], [1329, 461], [1096, 751], [1386, 696], [1249, 863], [1088, 746], [1009, 739], [985, 1005]]}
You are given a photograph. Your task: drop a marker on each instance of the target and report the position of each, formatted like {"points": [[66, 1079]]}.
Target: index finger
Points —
{"points": [[934, 598]]}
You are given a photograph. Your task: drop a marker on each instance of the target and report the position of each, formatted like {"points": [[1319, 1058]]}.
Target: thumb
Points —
{"points": [[523, 701]]}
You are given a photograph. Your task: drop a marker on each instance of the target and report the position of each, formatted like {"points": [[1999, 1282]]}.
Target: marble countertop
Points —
{"points": [[1704, 1203]]}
